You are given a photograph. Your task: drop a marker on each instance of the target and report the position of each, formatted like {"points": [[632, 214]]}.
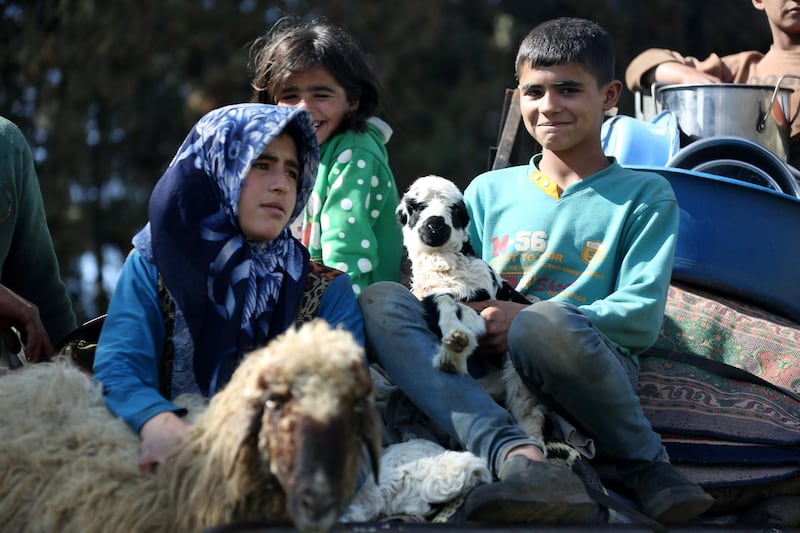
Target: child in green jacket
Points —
{"points": [[349, 222]]}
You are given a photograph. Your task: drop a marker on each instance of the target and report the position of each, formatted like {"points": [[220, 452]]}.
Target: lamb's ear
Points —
{"points": [[460, 215], [402, 215]]}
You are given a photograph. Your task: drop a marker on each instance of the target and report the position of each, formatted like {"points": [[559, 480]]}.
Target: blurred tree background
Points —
{"points": [[106, 91]]}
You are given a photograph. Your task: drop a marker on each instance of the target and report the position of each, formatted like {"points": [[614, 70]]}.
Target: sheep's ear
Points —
{"points": [[245, 435]]}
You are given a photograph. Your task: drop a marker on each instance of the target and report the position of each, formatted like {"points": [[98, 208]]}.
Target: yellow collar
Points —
{"points": [[545, 184]]}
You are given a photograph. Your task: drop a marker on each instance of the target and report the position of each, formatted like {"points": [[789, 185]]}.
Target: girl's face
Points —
{"points": [[318, 92], [269, 191]]}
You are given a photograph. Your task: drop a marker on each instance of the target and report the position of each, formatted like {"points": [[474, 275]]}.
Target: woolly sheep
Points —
{"points": [[283, 441]]}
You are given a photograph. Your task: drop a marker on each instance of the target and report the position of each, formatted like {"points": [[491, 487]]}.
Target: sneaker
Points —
{"points": [[666, 495], [531, 492]]}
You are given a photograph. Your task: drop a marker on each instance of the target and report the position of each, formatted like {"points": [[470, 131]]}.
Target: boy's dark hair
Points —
{"points": [[569, 40], [293, 46]]}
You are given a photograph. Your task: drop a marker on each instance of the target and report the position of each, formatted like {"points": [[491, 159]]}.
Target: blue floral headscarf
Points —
{"points": [[234, 294]]}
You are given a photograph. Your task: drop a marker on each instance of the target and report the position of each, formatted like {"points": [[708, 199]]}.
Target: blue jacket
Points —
{"points": [[133, 338]]}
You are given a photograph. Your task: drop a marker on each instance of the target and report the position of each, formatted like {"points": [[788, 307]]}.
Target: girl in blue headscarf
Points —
{"points": [[216, 272]]}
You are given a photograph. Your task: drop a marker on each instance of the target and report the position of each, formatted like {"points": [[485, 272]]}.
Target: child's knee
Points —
{"points": [[540, 336], [389, 301], [377, 293], [541, 323]]}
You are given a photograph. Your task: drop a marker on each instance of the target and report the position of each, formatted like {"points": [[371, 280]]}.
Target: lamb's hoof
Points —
{"points": [[456, 341], [449, 366], [447, 361]]}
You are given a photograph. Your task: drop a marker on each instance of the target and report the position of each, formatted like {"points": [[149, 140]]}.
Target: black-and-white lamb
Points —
{"points": [[445, 273]]}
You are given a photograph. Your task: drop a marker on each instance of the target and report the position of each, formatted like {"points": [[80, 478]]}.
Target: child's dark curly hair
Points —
{"points": [[293, 46]]}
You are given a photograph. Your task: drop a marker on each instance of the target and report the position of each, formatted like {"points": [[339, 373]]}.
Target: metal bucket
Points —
{"points": [[759, 113]]}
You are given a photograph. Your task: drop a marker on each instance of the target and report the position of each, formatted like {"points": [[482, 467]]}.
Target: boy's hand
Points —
{"points": [[498, 315]]}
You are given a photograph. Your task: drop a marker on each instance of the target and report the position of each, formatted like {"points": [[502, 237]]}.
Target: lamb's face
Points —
{"points": [[319, 417], [433, 216]]}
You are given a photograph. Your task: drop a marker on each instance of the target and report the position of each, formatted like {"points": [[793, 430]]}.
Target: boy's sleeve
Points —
{"points": [[632, 315], [361, 189], [650, 59], [130, 346]]}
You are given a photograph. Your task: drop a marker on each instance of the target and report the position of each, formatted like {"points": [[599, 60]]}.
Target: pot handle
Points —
{"points": [[655, 88], [762, 121], [647, 104]]}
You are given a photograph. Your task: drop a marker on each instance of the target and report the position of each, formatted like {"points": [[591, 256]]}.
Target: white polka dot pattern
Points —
{"points": [[348, 218], [364, 265]]}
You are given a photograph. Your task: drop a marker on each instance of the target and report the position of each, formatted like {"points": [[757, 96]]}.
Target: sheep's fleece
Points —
{"points": [[287, 434]]}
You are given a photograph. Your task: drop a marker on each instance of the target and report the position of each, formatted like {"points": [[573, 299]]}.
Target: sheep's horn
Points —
{"points": [[373, 442], [374, 458]]}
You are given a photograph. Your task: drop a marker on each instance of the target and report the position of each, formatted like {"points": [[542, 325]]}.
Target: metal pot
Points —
{"points": [[759, 113]]}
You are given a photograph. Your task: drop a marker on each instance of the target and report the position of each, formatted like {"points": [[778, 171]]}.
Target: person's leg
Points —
{"points": [[567, 363], [399, 340]]}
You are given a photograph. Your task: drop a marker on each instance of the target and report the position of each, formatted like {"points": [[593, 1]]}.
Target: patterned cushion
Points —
{"points": [[732, 332], [698, 404], [735, 434]]}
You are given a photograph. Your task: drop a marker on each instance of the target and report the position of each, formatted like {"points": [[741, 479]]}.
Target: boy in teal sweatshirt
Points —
{"points": [[592, 244]]}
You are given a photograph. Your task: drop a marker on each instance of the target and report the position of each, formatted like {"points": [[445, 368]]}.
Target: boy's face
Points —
{"points": [[269, 191], [563, 107], [318, 91], [782, 14]]}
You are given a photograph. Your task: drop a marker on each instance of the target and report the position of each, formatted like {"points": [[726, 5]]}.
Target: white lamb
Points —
{"points": [[415, 476], [283, 441]]}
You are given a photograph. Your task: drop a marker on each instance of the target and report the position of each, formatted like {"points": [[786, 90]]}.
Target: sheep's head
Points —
{"points": [[303, 412]]}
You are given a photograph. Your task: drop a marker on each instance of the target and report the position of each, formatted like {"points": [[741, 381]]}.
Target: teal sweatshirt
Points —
{"points": [[606, 245]]}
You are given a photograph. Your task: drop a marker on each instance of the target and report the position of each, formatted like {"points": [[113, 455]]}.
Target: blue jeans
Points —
{"points": [[400, 342], [568, 364], [560, 356]]}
